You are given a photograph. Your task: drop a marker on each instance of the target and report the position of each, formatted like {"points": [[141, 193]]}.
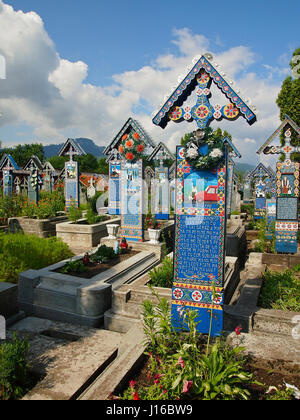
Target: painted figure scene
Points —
{"points": [[149, 206]]}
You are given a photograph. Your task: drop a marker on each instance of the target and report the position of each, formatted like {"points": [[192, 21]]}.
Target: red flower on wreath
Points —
{"points": [[136, 136], [129, 156], [140, 148], [121, 149], [129, 144], [125, 137]]}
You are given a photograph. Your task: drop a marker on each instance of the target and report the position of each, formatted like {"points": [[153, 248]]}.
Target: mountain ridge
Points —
{"points": [[87, 145]]}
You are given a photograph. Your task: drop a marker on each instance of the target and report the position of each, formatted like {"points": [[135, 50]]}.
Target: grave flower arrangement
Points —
{"points": [[204, 150], [131, 147], [151, 222]]}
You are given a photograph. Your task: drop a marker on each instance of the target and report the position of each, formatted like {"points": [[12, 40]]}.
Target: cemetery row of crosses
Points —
{"points": [[220, 230]]}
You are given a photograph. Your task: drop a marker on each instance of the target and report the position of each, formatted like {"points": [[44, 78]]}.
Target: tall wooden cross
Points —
{"points": [[287, 193], [72, 186], [200, 219]]}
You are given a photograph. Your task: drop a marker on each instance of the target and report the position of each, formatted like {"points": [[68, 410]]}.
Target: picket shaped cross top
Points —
{"points": [[201, 188]]}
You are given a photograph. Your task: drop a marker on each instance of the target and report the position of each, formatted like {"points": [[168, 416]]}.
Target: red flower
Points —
{"points": [[129, 144], [238, 330], [186, 385], [125, 137], [135, 396], [121, 149], [136, 136], [129, 156], [132, 384], [140, 148]]}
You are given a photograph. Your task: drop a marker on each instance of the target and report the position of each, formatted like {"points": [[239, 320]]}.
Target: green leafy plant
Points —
{"points": [[73, 267], [14, 368], [104, 254], [178, 364], [93, 218], [280, 394], [162, 276], [74, 213]]}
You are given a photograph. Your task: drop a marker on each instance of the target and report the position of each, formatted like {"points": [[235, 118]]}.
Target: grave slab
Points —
{"points": [[67, 356]]}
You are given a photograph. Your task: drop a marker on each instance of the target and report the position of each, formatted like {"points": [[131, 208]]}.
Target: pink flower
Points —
{"points": [[180, 362], [186, 385], [238, 330], [132, 384]]}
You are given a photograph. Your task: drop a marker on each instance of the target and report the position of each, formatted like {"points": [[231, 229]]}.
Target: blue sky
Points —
{"points": [[85, 67]]}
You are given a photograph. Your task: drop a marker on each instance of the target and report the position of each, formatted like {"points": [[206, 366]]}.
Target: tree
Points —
{"points": [[103, 167], [288, 99], [58, 162], [87, 163], [22, 153]]}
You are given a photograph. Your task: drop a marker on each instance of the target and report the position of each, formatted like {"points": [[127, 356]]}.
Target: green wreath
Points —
{"points": [[214, 153]]}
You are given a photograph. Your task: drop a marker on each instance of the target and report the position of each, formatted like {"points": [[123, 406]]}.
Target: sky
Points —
{"points": [[81, 69]]}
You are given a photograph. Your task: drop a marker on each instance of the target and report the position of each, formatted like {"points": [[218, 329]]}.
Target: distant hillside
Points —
{"points": [[244, 167], [87, 144]]}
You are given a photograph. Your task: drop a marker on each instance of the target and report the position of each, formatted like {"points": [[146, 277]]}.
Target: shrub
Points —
{"points": [[92, 203], [23, 252], [11, 206], [93, 218], [280, 291], [247, 208], [13, 369], [162, 276]]}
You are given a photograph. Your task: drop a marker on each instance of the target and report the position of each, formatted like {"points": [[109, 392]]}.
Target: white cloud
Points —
{"points": [[50, 93]]}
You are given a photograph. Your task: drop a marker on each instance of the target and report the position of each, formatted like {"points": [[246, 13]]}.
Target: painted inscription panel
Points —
{"points": [[132, 201], [114, 187], [199, 245]]}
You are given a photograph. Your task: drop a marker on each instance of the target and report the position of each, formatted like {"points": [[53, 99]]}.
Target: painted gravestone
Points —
{"points": [[48, 172], [132, 200], [8, 166], [33, 186], [201, 172], [247, 190], [160, 191], [72, 187], [199, 244], [287, 189], [271, 216], [231, 183], [114, 197], [261, 176], [126, 182]]}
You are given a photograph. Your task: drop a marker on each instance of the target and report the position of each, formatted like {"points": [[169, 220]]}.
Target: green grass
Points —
{"points": [[280, 291], [20, 252]]}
